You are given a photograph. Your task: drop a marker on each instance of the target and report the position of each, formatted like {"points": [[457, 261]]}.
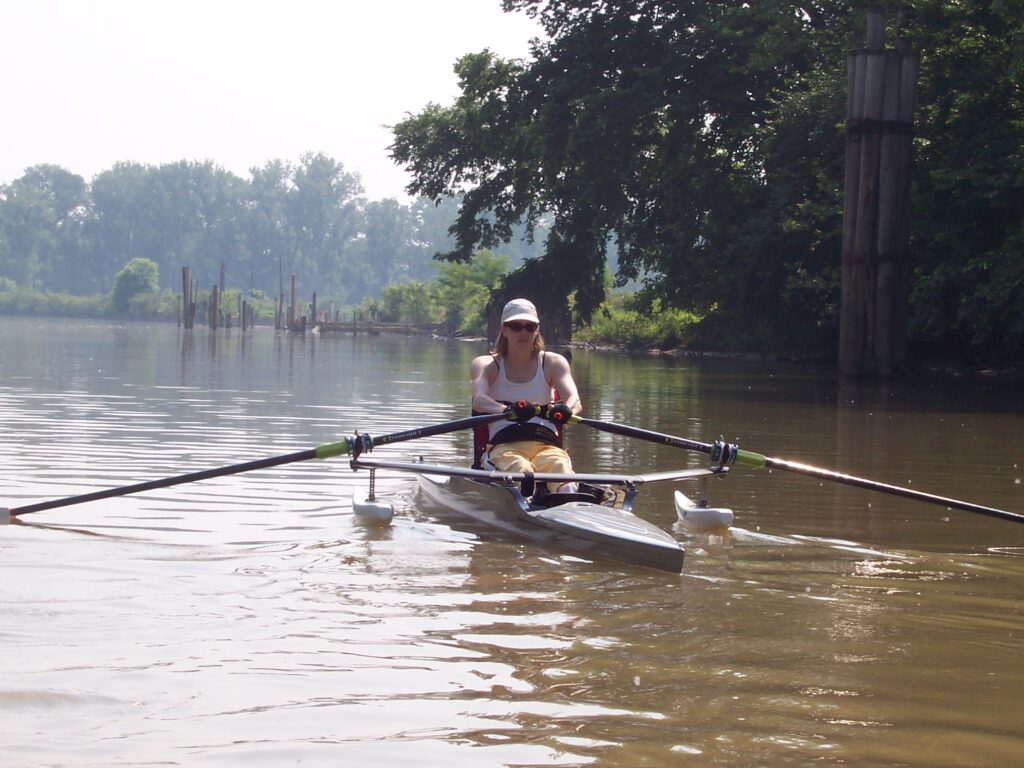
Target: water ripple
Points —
{"points": [[250, 618]]}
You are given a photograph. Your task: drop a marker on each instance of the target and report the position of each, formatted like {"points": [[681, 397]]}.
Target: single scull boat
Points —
{"points": [[595, 522]]}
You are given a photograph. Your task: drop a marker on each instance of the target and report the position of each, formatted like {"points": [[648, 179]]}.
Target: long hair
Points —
{"points": [[501, 348]]}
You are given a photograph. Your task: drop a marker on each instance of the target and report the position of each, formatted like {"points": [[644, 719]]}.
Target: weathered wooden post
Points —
{"points": [[291, 306], [876, 233], [214, 310], [189, 288], [893, 283]]}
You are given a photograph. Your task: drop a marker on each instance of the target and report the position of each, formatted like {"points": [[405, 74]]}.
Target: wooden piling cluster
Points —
{"points": [[215, 314], [875, 267], [287, 318]]}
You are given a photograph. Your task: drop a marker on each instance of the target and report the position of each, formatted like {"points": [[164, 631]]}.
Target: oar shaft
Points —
{"points": [[364, 442], [751, 459], [894, 490], [437, 429], [643, 434], [150, 485]]}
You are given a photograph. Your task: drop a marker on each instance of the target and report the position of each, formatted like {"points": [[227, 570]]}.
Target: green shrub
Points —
{"points": [[137, 277], [25, 301], [623, 321]]}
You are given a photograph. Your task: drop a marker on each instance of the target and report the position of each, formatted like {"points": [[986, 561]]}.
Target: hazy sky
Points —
{"points": [[87, 83]]}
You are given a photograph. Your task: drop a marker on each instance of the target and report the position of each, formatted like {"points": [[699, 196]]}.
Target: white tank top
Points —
{"points": [[536, 390]]}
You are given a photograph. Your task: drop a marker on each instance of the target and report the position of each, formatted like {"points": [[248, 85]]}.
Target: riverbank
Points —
{"points": [[915, 369], [925, 365]]}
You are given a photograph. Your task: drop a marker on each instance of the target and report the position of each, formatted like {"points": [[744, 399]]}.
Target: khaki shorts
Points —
{"points": [[530, 456]]}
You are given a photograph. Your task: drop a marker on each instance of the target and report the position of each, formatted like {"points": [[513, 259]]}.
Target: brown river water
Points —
{"points": [[249, 620]]}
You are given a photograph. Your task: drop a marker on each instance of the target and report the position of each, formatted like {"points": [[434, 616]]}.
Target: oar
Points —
{"points": [[723, 453], [355, 445]]}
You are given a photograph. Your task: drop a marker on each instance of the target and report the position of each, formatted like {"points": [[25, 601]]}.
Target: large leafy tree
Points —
{"points": [[705, 139], [642, 121], [969, 186]]}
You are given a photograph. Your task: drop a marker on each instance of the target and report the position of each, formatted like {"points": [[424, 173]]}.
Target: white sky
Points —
{"points": [[87, 83]]}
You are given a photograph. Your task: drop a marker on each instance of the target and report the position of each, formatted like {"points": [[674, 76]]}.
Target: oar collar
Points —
{"points": [[723, 454]]}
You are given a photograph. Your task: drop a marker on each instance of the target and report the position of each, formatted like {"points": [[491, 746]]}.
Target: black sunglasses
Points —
{"points": [[517, 326]]}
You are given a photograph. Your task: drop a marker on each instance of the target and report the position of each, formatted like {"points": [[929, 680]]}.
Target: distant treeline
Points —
{"points": [[59, 233]]}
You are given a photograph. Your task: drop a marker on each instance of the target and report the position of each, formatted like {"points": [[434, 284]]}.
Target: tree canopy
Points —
{"points": [[705, 140]]}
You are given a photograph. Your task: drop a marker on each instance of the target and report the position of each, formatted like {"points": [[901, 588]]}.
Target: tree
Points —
{"points": [[323, 215], [638, 121], [705, 140], [119, 216], [41, 215], [382, 254], [465, 290], [968, 291], [265, 232], [409, 302], [137, 277], [27, 227]]}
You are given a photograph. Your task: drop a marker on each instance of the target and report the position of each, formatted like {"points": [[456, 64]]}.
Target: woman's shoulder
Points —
{"points": [[553, 359], [483, 362]]}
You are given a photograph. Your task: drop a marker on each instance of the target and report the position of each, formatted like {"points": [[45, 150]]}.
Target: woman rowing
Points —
{"points": [[521, 377]]}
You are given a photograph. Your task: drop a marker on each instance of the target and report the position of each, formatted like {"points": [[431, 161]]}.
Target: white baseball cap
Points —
{"points": [[519, 309]]}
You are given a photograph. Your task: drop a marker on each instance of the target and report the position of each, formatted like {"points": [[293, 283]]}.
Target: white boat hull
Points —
{"points": [[585, 528]]}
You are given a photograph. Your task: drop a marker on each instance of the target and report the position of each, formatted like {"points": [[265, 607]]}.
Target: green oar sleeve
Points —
{"points": [[328, 450], [750, 459]]}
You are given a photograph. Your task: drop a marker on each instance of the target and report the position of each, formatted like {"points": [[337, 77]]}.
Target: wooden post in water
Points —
{"points": [[214, 310], [188, 298], [875, 268], [291, 306], [183, 310]]}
